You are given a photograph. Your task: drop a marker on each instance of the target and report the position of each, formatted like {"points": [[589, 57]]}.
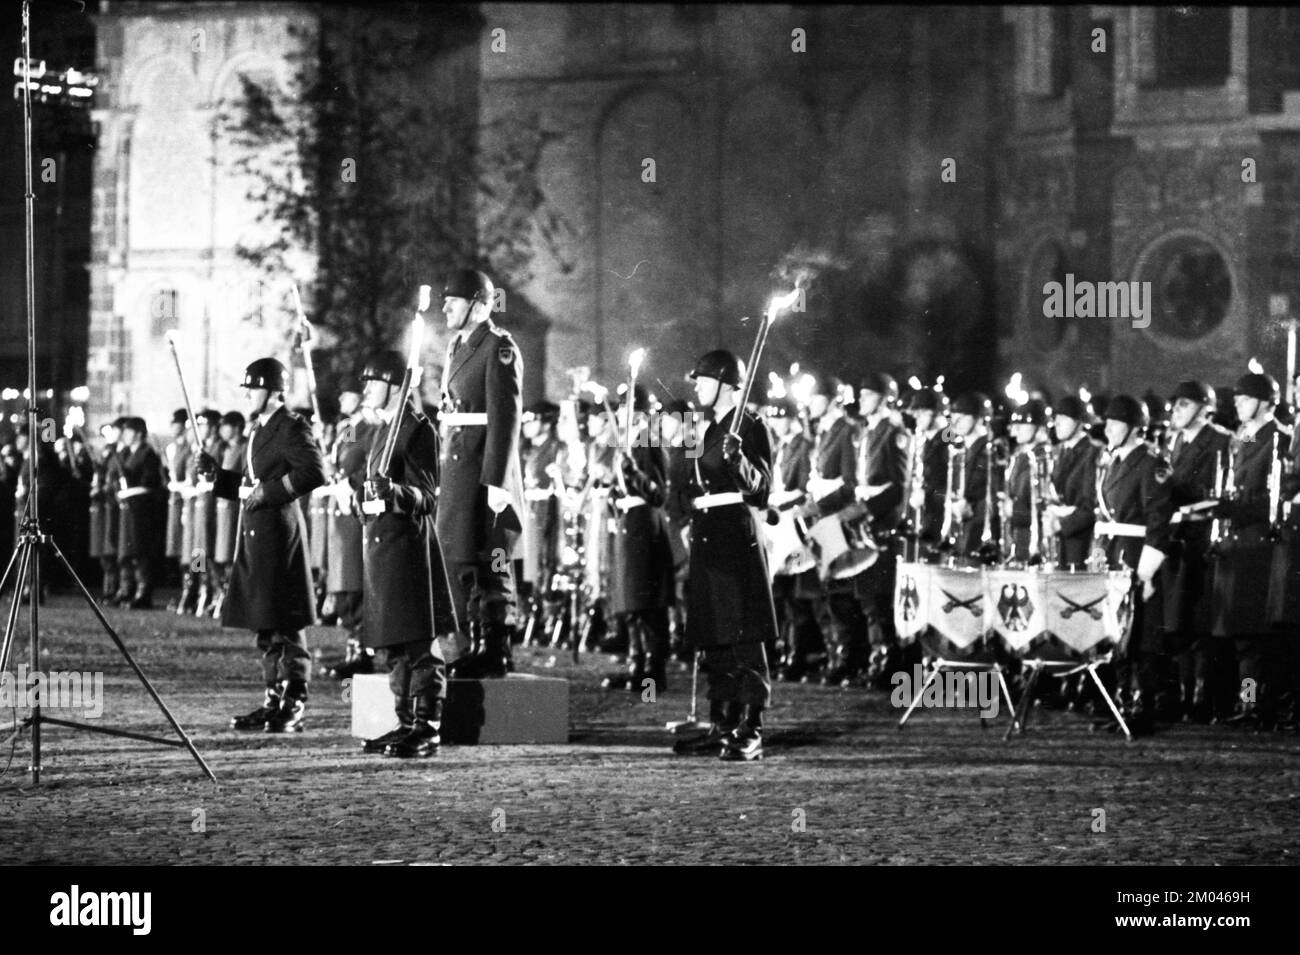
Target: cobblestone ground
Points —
{"points": [[840, 782]]}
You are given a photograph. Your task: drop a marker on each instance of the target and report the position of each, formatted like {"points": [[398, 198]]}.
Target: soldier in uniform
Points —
{"points": [[1135, 504], [831, 489], [884, 457], [796, 612], [104, 526], [481, 498], [731, 616], [178, 453], [678, 436], [203, 514], [1200, 451], [141, 481], [641, 578], [231, 432], [1073, 491], [344, 564], [407, 596], [1028, 426], [929, 409], [970, 418], [1244, 566], [270, 588], [543, 474]]}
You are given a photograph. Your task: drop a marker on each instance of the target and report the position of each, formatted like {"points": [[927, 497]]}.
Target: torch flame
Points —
{"points": [[775, 386], [417, 340], [802, 388], [634, 361], [1015, 391], [915, 383], [1084, 394], [426, 296], [781, 303], [1255, 367]]}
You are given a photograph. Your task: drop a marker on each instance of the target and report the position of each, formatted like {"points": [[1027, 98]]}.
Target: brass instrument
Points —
{"points": [[1006, 506], [1226, 491], [1275, 490], [1049, 542], [1035, 521], [990, 550], [916, 493], [952, 495]]}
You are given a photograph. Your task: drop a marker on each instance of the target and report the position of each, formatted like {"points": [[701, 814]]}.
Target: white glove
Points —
{"points": [[498, 499], [1149, 563], [869, 491], [1061, 510]]}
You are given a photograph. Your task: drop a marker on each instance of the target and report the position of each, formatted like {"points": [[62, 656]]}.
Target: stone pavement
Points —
{"points": [[840, 782]]}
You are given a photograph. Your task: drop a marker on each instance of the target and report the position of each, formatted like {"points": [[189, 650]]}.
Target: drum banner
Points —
{"points": [[912, 599], [1085, 610], [956, 604], [1017, 602]]}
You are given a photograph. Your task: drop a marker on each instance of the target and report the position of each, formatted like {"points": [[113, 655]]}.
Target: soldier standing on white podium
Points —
{"points": [[270, 589], [480, 503], [407, 596], [731, 617]]}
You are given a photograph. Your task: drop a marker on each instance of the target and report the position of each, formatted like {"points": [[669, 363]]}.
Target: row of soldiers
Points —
{"points": [[1197, 512]]}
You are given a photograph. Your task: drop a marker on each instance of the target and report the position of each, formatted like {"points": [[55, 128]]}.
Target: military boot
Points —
{"points": [[656, 669], [725, 717], [189, 594], [358, 659], [293, 706], [257, 719], [203, 602], [425, 735], [465, 666], [404, 706], [628, 679], [143, 597], [745, 742]]}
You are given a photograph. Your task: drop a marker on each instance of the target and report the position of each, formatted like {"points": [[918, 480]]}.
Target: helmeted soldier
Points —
{"points": [[1135, 506], [1200, 452], [884, 456], [641, 578], [344, 564], [178, 453], [231, 431], [481, 497], [831, 489], [929, 410], [1244, 566], [141, 483], [408, 599], [543, 489], [1073, 490], [270, 588], [1028, 427], [796, 611], [731, 617], [971, 412]]}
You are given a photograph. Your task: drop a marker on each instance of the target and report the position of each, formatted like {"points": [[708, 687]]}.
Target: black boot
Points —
{"points": [[358, 659], [293, 706], [143, 599], [656, 669], [202, 601], [465, 666], [424, 737], [725, 717], [404, 706], [257, 719], [493, 661], [745, 742]]}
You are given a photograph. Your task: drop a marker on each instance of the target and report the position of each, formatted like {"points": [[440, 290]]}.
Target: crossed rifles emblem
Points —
{"points": [[956, 602], [1090, 608]]}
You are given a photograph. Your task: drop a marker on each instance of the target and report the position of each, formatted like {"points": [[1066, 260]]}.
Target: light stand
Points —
{"points": [[31, 538]]}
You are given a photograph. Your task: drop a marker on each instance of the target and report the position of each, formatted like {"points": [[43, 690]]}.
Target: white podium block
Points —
{"points": [[521, 708]]}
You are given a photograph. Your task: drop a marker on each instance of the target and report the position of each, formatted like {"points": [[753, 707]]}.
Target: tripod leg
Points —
{"points": [[4, 581], [126, 655], [23, 550]]}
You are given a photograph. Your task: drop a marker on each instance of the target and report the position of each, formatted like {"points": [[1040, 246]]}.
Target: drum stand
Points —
{"points": [[942, 666], [1036, 667]]}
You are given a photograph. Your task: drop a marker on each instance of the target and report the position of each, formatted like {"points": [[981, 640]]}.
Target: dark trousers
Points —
{"points": [[844, 623], [350, 606], [737, 674], [1207, 672], [796, 620], [1260, 660], [647, 632], [416, 671], [284, 656], [108, 566], [137, 572], [484, 592]]}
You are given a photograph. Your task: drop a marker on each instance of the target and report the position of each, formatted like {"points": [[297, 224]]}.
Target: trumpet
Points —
{"points": [[1045, 495], [952, 495], [1275, 491], [990, 550], [916, 494]]}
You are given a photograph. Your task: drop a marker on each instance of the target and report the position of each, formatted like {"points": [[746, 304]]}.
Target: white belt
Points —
{"points": [[1117, 529], [177, 487], [380, 507], [1193, 512], [131, 492], [464, 419], [626, 504], [706, 501], [538, 494], [246, 491]]}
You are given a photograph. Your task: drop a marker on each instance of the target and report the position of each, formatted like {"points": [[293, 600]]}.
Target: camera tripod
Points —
{"points": [[31, 539]]}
